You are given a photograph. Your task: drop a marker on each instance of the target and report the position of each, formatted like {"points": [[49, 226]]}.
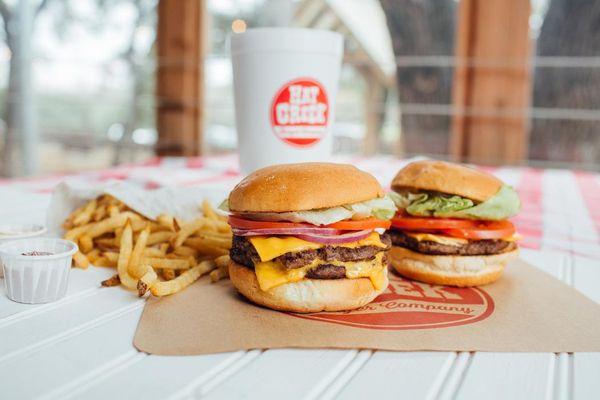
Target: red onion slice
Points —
{"points": [[336, 239], [285, 231]]}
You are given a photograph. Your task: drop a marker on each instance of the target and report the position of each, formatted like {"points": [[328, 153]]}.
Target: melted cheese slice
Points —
{"points": [[513, 238], [272, 273], [452, 241], [447, 240], [270, 247]]}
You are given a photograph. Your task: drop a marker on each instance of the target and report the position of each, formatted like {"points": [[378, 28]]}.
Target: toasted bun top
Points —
{"points": [[301, 187], [445, 177]]}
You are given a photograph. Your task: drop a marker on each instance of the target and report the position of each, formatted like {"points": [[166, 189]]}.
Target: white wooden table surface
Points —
{"points": [[81, 346]]}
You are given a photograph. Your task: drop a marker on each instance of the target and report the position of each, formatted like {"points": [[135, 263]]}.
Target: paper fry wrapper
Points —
{"points": [[182, 203]]}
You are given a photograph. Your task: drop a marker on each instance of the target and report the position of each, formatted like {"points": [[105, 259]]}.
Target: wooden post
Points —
{"points": [[180, 77], [374, 99], [491, 89]]}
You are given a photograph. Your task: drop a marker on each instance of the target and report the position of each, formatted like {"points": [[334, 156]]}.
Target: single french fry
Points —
{"points": [[107, 244], [68, 224], [159, 237], [163, 248], [100, 213], [222, 261], [166, 221], [204, 248], [113, 210], [215, 241], [111, 255], [80, 260], [124, 256], [218, 226], [85, 244], [95, 229], [218, 274], [136, 268], [104, 262], [186, 231], [208, 211], [93, 255], [146, 281], [167, 263], [185, 251], [222, 270], [167, 274], [153, 252], [86, 215], [182, 281], [112, 281], [139, 225]]}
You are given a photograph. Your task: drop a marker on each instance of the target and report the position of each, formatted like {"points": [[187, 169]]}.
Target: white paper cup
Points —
{"points": [[36, 279], [285, 84], [10, 232]]}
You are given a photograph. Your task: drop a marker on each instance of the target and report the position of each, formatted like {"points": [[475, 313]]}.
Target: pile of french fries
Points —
{"points": [[162, 256]]}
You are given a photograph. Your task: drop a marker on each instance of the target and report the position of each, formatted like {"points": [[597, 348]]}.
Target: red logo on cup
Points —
{"points": [[414, 305], [299, 112]]}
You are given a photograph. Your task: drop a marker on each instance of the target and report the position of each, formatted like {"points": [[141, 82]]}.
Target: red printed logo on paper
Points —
{"points": [[414, 305], [299, 112]]}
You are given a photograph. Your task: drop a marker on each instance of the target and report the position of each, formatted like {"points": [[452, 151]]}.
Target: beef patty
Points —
{"points": [[472, 248], [242, 252]]}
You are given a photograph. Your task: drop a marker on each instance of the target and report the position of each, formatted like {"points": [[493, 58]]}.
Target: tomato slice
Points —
{"points": [[484, 230], [360, 224], [417, 223], [242, 223]]}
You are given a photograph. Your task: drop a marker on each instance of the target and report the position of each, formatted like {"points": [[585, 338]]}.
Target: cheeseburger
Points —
{"points": [[452, 227], [307, 237]]}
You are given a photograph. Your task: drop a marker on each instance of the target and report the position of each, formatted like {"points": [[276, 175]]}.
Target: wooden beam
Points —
{"points": [[180, 77], [491, 89]]}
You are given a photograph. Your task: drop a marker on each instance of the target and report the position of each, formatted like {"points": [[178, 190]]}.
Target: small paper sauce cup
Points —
{"points": [[36, 279], [9, 232]]}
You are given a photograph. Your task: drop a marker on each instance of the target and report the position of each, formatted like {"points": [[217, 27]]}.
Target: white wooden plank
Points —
{"points": [[41, 372], [507, 376], [344, 377], [394, 375], [288, 373], [452, 380], [586, 376], [65, 321], [151, 377]]}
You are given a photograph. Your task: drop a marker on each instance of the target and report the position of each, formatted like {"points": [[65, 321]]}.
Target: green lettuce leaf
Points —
{"points": [[383, 208], [502, 205]]}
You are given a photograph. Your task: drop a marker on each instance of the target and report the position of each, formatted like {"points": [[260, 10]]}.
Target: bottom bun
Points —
{"points": [[450, 270], [307, 295]]}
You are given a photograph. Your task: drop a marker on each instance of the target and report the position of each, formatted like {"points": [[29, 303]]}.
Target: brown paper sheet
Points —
{"points": [[525, 311]]}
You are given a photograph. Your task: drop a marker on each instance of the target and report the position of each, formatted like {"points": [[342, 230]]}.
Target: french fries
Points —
{"points": [[125, 257], [80, 260], [222, 270], [146, 281], [183, 280], [161, 256]]}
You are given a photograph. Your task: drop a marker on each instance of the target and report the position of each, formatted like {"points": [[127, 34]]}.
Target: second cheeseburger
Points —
{"points": [[307, 237], [452, 227]]}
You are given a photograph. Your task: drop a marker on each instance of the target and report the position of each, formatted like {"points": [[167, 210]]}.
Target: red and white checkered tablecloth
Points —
{"points": [[560, 207]]}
